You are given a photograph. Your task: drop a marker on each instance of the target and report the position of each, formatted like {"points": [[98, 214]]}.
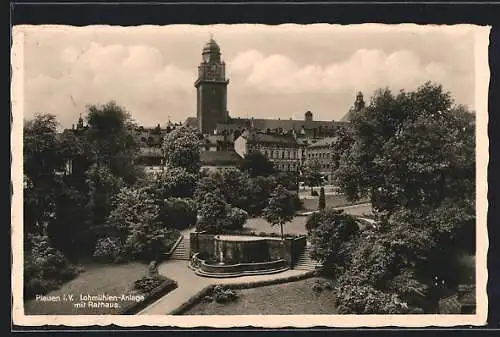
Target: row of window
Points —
{"points": [[280, 154], [325, 155]]}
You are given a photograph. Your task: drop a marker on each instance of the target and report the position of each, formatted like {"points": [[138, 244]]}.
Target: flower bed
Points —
{"points": [[149, 289]]}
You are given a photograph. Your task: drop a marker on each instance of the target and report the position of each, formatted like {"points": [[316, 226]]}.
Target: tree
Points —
{"points": [[135, 221], [212, 213], [341, 145], [102, 188], [280, 208], [174, 182], [181, 148], [311, 174], [111, 142], [42, 160], [322, 201], [411, 150], [256, 164], [332, 236]]}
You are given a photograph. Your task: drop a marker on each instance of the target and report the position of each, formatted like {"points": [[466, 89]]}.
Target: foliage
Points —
{"points": [[212, 213], [332, 235], [236, 218], [111, 141], [181, 148], [321, 201], [102, 187], [109, 249], [356, 299], [178, 213], [288, 180], [176, 182], [256, 164], [217, 216], [280, 208], [223, 295], [147, 284], [342, 144], [136, 220], [238, 189], [311, 174], [45, 268], [212, 182], [42, 159], [410, 150]]}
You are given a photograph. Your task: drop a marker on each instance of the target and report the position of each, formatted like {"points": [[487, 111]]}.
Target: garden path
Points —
{"points": [[189, 284]]}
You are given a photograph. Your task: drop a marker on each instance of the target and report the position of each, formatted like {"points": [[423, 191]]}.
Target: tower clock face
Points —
{"points": [[206, 57]]}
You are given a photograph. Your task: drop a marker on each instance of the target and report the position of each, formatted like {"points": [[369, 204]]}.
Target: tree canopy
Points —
{"points": [[280, 207], [181, 148], [256, 164], [411, 149]]}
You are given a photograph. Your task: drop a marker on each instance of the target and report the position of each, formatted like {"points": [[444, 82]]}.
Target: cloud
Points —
{"points": [[136, 77], [365, 69], [274, 71]]}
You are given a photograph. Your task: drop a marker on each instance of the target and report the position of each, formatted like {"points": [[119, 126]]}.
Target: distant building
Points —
{"points": [[286, 142], [322, 152], [282, 150]]}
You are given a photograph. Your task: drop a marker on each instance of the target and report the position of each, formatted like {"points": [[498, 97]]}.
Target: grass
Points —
{"points": [[298, 225], [294, 298], [109, 279], [331, 200]]}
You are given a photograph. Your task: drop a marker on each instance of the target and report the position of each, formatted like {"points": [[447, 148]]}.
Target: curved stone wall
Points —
{"points": [[206, 268]]}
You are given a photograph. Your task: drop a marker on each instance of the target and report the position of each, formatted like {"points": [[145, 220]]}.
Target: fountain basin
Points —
{"points": [[237, 255], [214, 269]]}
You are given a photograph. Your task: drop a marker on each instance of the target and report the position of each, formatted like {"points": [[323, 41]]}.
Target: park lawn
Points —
{"points": [[98, 278], [294, 298], [297, 226], [331, 200]]}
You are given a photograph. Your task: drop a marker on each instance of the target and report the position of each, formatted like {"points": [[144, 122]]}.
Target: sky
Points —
{"points": [[274, 71]]}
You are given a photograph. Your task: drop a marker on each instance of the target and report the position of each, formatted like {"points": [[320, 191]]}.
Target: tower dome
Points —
{"points": [[211, 47]]}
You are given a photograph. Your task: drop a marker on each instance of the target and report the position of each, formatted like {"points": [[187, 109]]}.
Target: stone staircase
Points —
{"points": [[304, 261], [181, 252]]}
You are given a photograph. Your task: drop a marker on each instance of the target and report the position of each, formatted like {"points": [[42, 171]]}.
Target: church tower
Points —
{"points": [[211, 89]]}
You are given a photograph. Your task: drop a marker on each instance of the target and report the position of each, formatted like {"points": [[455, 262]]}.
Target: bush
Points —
{"points": [[364, 299], [109, 249], [236, 218], [179, 213], [223, 295], [45, 268], [314, 193], [147, 283]]}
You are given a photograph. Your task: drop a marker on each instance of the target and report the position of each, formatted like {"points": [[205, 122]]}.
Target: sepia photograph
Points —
{"points": [[233, 175]]}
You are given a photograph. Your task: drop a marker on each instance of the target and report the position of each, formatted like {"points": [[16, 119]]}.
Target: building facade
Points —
{"points": [[321, 151]]}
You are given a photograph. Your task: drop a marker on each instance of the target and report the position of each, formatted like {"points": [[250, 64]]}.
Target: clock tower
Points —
{"points": [[211, 89]]}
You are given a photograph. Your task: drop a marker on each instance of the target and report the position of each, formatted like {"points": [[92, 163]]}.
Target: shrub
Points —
{"points": [[109, 249], [236, 218], [179, 213], [213, 214], [223, 295], [45, 268], [364, 299], [314, 193], [150, 282]]}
